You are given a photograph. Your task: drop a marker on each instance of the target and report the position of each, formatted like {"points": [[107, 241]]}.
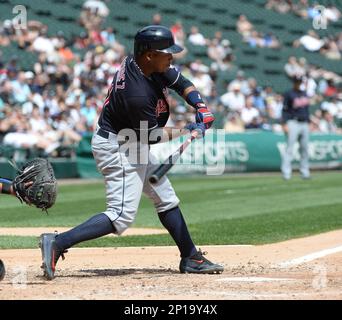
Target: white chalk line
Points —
{"points": [[252, 279], [310, 257]]}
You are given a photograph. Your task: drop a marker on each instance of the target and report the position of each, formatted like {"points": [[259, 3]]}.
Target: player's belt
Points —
{"points": [[103, 133]]}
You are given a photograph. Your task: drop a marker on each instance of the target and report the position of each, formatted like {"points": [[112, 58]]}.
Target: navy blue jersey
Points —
{"points": [[296, 106], [133, 98]]}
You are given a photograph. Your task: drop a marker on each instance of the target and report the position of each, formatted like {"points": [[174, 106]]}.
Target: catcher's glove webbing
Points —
{"points": [[36, 184]]}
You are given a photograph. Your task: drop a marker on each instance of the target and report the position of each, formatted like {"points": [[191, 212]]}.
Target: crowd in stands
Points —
{"points": [[253, 37], [57, 102], [329, 46], [304, 9]]}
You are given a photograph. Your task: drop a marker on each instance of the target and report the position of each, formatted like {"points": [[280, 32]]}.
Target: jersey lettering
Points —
{"points": [[300, 102], [107, 100], [120, 81]]}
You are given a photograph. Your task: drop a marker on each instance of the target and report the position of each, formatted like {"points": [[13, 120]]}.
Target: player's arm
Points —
{"points": [[286, 112], [144, 123], [6, 186], [186, 89]]}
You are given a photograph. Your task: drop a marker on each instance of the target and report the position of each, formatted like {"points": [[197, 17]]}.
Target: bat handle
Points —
{"points": [[153, 179]]}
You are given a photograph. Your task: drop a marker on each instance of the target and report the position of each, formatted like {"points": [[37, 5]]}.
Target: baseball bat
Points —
{"points": [[171, 160]]}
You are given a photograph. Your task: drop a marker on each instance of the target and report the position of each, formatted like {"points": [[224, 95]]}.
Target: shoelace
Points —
{"points": [[200, 255]]}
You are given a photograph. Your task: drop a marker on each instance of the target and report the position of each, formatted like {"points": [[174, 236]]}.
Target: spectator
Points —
{"points": [[331, 89], [88, 111], [292, 68], [234, 100], [310, 41], [242, 82], [249, 113], [178, 32], [196, 38], [327, 124], [202, 80], [258, 101], [243, 26], [234, 123], [157, 19]]}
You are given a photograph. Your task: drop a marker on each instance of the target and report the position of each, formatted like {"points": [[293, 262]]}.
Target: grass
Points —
{"points": [[249, 209]]}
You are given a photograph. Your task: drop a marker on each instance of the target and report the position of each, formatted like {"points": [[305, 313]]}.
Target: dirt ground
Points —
{"points": [[251, 272]]}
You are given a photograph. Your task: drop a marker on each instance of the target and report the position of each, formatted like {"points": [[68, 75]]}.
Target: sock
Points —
{"points": [[97, 226], [174, 222]]}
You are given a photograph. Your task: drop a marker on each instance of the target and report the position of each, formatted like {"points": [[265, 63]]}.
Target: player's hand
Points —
{"points": [[200, 127], [203, 115]]}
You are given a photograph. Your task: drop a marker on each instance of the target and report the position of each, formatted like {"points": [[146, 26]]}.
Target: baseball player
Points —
{"points": [[296, 119], [134, 115]]}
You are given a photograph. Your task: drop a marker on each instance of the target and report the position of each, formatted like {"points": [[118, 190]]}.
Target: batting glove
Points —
{"points": [[196, 126], [203, 115]]}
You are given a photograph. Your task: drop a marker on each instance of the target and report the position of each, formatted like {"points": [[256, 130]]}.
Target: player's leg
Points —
{"points": [[292, 137], [124, 183], [304, 151], [166, 203]]}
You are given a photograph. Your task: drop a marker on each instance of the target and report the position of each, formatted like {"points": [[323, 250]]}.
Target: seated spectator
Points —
{"points": [[310, 41], [253, 39], [243, 26], [249, 112], [197, 38], [258, 100], [157, 19], [330, 50], [242, 82], [274, 107], [225, 65], [234, 100], [331, 89], [332, 13], [280, 6], [88, 111], [202, 80], [21, 90], [178, 33], [269, 40], [327, 124], [331, 105], [217, 51], [234, 123], [292, 68]]}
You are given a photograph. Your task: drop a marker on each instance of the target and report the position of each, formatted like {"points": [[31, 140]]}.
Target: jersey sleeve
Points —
{"points": [[173, 79], [170, 77]]}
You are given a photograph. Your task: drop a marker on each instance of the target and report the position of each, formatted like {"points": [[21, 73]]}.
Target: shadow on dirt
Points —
{"points": [[121, 272]]}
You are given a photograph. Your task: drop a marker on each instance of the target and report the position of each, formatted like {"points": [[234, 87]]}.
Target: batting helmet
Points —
{"points": [[157, 38]]}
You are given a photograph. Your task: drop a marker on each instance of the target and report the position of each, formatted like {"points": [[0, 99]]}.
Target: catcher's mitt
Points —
{"points": [[35, 184]]}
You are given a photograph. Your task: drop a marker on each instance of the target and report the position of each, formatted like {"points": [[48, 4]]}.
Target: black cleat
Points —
{"points": [[198, 264], [50, 254]]}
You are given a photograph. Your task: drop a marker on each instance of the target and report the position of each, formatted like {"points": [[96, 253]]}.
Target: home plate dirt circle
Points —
{"points": [[143, 273]]}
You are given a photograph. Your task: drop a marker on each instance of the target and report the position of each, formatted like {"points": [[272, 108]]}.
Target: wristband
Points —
{"points": [[194, 99]]}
